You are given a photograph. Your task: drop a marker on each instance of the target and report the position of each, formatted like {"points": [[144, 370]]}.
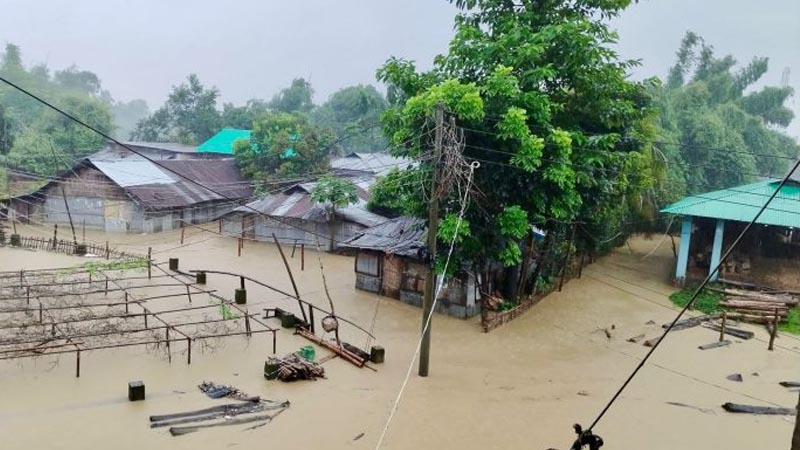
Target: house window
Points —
{"points": [[368, 264]]}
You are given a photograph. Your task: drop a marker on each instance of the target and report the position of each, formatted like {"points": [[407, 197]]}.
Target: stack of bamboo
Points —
{"points": [[757, 307]]}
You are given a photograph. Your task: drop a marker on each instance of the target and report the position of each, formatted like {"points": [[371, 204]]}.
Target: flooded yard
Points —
{"points": [[521, 386]]}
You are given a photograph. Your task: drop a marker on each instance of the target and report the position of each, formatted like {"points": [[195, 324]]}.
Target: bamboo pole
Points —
{"points": [[722, 328], [291, 277]]}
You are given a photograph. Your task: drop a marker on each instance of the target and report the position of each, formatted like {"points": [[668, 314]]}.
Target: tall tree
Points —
{"points": [[282, 145], [188, 116], [244, 116], [334, 193], [298, 97], [33, 137], [716, 131], [545, 105], [354, 115]]}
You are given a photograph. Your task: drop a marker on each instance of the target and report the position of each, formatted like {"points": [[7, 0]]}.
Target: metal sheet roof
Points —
{"points": [[133, 172], [742, 203], [295, 202], [378, 164], [404, 236], [222, 142]]}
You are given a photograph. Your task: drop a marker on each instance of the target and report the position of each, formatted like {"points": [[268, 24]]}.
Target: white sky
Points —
{"points": [[252, 48]]}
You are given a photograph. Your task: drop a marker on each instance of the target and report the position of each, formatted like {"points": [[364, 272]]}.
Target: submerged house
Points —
{"points": [[768, 255], [294, 218], [390, 261], [133, 194]]}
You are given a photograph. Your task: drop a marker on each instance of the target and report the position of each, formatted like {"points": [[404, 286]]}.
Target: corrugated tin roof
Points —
{"points": [[222, 142], [742, 203], [295, 202], [404, 236], [133, 172], [221, 175], [168, 146], [378, 164]]}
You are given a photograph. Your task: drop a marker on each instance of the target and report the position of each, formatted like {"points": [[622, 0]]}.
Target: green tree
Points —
{"points": [[334, 193], [188, 116], [37, 139], [716, 132], [242, 117], [297, 98], [545, 105], [283, 145], [354, 115]]}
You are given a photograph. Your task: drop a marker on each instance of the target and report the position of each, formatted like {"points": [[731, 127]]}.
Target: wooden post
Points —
{"points": [[291, 277], [274, 341], [220, 226], [69, 216], [294, 247], [566, 257], [722, 328], [580, 268], [149, 262], [247, 324], [55, 235], [796, 433], [40, 312], [106, 293], [311, 317], [189, 293], [21, 276], [774, 332], [240, 247], [145, 319], [28, 293], [84, 230], [108, 252], [302, 257], [169, 350], [188, 350], [126, 302], [78, 364], [183, 232]]}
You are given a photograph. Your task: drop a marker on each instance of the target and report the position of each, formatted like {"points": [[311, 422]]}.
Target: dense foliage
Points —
{"points": [[353, 113], [284, 145], [36, 139], [546, 107], [716, 131]]}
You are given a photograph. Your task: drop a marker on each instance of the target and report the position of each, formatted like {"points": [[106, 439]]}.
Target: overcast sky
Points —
{"points": [[252, 48]]}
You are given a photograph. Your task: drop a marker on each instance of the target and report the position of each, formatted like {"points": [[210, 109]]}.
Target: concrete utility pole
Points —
{"points": [[433, 227], [796, 434]]}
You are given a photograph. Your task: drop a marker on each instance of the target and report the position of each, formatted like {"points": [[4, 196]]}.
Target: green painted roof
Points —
{"points": [[222, 142], [742, 203]]}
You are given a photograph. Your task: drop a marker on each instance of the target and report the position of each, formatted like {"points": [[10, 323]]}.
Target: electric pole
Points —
{"points": [[433, 227], [796, 434]]}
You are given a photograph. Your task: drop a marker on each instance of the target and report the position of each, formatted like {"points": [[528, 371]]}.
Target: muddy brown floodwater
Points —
{"points": [[519, 387]]}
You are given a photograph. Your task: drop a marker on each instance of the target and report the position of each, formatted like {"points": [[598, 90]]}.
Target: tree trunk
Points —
{"points": [[332, 230], [511, 283]]}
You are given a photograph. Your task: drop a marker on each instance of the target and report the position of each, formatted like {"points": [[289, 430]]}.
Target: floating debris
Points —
{"points": [[292, 368], [215, 390]]}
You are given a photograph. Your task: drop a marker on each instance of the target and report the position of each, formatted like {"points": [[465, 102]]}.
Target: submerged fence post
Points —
{"points": [[78, 364]]}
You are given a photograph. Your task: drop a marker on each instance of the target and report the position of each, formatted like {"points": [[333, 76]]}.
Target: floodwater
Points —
{"points": [[521, 386]]}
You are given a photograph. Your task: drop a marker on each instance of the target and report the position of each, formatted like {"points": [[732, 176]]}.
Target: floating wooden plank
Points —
{"points": [[266, 418], [200, 412], [735, 332], [714, 345], [692, 322], [763, 410]]}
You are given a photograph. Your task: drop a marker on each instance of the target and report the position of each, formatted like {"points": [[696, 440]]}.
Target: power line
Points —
{"points": [[693, 298]]}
